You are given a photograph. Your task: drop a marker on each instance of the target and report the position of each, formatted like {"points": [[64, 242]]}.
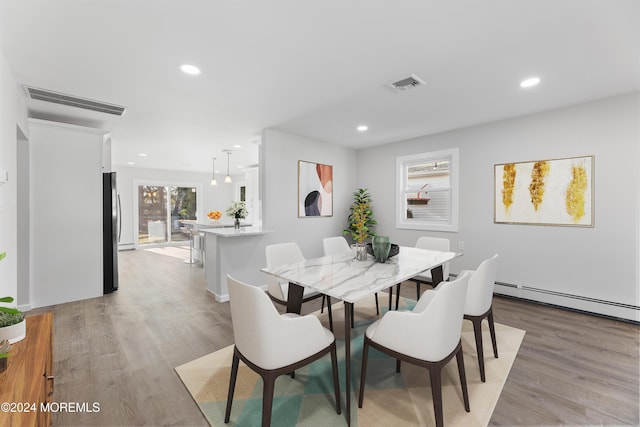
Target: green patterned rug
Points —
{"points": [[389, 398]]}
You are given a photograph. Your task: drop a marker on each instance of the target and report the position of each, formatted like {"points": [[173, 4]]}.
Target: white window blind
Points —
{"points": [[427, 191], [429, 198]]}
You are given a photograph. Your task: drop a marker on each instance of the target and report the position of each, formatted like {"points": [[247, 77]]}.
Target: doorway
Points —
{"points": [[166, 213]]}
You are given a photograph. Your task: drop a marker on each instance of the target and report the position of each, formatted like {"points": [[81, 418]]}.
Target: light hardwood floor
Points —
{"points": [[121, 350]]}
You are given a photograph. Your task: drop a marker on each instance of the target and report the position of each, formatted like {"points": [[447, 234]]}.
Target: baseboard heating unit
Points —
{"points": [[611, 309]]}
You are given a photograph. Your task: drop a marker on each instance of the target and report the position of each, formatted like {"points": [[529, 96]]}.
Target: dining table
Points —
{"points": [[345, 278]]}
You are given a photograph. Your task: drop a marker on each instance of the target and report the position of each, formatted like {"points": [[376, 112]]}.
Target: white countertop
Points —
{"points": [[232, 232], [212, 224]]}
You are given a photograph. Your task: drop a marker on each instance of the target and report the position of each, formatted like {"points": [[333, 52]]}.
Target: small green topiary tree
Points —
{"points": [[361, 220]]}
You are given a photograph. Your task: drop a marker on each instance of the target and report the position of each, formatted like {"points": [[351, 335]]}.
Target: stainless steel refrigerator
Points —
{"points": [[111, 231]]}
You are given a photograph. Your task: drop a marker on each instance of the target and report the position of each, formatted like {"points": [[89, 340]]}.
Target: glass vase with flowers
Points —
{"points": [[237, 211]]}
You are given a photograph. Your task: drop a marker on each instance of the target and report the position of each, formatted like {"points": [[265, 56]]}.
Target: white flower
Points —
{"points": [[237, 210]]}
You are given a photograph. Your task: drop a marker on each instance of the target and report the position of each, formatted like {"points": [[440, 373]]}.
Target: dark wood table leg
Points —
{"points": [[294, 298], [436, 276], [348, 309], [294, 304]]}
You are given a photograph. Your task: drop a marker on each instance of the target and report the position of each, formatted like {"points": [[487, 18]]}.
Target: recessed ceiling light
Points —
{"points": [[363, 128], [190, 69], [131, 163], [530, 82], [142, 154], [237, 146]]}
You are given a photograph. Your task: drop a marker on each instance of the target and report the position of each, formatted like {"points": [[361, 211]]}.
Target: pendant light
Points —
{"points": [[213, 174], [227, 179]]}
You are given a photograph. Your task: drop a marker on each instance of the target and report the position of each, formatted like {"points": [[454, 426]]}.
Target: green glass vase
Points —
{"points": [[381, 247]]}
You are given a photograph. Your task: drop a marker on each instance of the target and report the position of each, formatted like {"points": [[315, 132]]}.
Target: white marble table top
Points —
{"points": [[342, 277]]}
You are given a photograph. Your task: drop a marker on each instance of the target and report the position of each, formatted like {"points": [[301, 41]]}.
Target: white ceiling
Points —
{"points": [[316, 69]]}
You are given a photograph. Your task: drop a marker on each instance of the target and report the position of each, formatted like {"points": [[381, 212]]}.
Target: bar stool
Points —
{"points": [[193, 234]]}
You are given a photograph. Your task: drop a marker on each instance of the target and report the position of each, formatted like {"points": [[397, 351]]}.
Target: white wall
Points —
{"points": [[13, 116], [66, 212], [599, 263], [23, 223], [211, 198], [280, 153]]}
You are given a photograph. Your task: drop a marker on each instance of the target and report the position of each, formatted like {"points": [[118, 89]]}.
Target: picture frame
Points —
{"points": [[315, 189], [557, 192]]}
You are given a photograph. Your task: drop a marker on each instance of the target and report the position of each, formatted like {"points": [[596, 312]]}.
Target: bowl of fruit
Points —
{"points": [[214, 215]]}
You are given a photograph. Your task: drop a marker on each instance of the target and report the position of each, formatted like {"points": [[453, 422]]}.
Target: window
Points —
{"points": [[165, 213], [427, 191]]}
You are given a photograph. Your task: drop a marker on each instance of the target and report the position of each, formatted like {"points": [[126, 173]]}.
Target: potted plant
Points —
{"points": [[361, 221], [4, 353], [12, 323]]}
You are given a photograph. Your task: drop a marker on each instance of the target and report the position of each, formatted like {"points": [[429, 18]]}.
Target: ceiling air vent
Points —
{"points": [[74, 101], [407, 83]]}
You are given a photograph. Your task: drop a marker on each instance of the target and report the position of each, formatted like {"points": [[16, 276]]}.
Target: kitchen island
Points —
{"points": [[239, 253]]}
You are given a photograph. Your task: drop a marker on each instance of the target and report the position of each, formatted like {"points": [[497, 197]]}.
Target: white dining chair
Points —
{"points": [[437, 320], [479, 305], [338, 245], [424, 278], [272, 344], [278, 291]]}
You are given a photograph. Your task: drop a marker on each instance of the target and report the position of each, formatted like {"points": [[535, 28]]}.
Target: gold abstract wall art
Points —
{"points": [[545, 192], [508, 181], [536, 188], [575, 193]]}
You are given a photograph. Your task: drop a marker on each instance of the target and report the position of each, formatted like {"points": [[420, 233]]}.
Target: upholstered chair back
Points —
{"points": [[436, 319], [481, 285], [267, 338], [335, 245], [278, 254]]}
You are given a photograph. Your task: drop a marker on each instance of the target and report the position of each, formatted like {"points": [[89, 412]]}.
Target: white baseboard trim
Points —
{"points": [[575, 302], [24, 308], [219, 298], [225, 297]]}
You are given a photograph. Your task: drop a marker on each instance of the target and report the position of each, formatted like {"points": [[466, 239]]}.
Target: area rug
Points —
{"points": [[181, 252], [390, 399]]}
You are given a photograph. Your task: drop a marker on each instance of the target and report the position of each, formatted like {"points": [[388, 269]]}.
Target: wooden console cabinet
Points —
{"points": [[27, 384]]}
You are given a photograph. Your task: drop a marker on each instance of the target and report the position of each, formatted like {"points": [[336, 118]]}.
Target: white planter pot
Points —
{"points": [[14, 333]]}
